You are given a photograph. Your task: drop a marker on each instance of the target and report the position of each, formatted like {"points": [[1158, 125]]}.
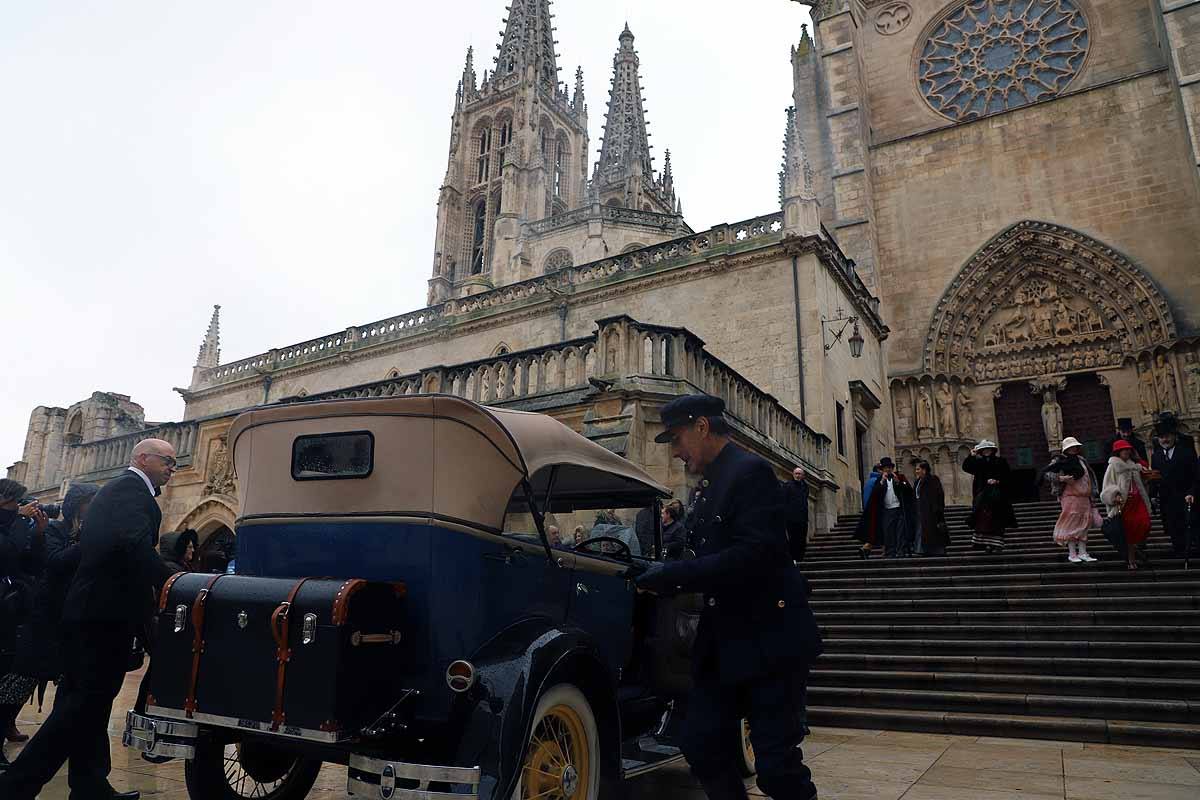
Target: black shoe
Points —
{"points": [[157, 759]]}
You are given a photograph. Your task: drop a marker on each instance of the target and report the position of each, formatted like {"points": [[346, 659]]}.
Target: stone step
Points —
{"points": [[1144, 733], [1061, 575], [1121, 708], [1095, 633], [1065, 648], [1076, 685], [1026, 665], [1068, 619], [918, 606], [994, 591], [975, 564]]}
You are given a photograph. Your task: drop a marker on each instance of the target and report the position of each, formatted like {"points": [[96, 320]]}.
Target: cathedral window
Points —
{"points": [[483, 160], [559, 259], [560, 157], [478, 237], [988, 56], [506, 128]]}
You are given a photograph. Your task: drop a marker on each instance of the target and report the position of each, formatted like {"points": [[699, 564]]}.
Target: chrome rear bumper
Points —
{"points": [[397, 780], [160, 737]]}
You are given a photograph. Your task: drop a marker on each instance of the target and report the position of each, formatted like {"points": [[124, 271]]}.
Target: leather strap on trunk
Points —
{"points": [[189, 705], [280, 626], [166, 590]]}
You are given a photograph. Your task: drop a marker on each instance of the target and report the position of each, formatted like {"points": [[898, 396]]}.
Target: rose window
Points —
{"points": [[992, 55]]}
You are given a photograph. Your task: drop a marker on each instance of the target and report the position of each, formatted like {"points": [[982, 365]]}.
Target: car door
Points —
{"points": [[602, 604]]}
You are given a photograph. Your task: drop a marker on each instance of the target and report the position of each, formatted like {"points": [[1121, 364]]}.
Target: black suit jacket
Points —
{"points": [[119, 570], [756, 620], [795, 498], [1178, 473]]}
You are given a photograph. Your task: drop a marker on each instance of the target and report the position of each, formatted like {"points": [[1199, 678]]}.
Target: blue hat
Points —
{"points": [[687, 409]]}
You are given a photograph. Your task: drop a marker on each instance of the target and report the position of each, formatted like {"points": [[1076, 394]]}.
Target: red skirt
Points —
{"points": [[1135, 519]]}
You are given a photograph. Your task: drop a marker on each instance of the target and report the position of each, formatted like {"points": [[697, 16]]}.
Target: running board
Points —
{"points": [[649, 754]]}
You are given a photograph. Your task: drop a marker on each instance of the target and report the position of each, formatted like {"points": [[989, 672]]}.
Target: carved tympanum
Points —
{"points": [[1042, 299]]}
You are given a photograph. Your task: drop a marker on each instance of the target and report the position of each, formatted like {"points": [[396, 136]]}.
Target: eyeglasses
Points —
{"points": [[168, 460]]}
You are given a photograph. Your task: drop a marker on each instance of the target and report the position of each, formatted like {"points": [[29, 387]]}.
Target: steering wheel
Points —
{"points": [[624, 553]]}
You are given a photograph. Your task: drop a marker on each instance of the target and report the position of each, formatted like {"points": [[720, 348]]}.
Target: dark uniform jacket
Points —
{"points": [[119, 569], [994, 498], [756, 620], [869, 528]]}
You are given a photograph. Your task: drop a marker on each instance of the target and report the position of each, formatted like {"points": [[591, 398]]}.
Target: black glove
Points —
{"points": [[653, 578]]}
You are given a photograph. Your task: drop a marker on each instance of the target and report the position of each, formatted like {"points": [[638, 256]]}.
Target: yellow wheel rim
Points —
{"points": [[557, 765]]}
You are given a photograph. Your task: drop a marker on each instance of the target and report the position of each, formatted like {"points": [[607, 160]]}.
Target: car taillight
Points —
{"points": [[460, 676]]}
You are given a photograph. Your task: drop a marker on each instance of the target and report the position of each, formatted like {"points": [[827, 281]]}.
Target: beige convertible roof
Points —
{"points": [[434, 455]]}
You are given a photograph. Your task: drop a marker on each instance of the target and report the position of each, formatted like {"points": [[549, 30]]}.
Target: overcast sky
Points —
{"points": [[283, 158]]}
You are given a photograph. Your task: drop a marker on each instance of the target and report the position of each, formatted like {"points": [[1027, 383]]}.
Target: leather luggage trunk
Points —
{"points": [[313, 657]]}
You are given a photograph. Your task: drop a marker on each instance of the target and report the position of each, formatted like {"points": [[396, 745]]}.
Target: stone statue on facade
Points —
{"points": [[1052, 419], [945, 408], [966, 414], [1166, 383], [1064, 322], [924, 413], [1191, 378], [1147, 392]]}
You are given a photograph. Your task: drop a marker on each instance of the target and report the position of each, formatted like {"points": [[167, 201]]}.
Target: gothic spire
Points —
{"points": [[469, 85], [578, 102], [528, 39], [796, 176], [210, 348], [626, 142]]}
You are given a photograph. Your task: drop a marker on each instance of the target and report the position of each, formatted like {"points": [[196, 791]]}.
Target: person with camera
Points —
{"points": [[37, 659], [22, 528], [110, 598]]}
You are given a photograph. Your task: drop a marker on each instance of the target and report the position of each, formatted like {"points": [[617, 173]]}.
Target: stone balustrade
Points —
{"points": [[667, 222], [93, 459], [622, 351], [727, 238]]}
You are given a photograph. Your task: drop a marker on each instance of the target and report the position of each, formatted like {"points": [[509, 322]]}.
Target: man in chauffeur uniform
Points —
{"points": [[757, 636]]}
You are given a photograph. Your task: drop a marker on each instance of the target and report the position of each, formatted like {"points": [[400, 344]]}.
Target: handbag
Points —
{"points": [[1114, 531]]}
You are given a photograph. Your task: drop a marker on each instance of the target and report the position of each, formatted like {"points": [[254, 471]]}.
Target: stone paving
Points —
{"points": [[847, 765]]}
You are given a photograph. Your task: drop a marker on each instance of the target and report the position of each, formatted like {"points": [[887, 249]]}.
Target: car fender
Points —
{"points": [[512, 671]]}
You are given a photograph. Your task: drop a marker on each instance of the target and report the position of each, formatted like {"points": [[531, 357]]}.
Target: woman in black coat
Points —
{"points": [[991, 510], [38, 659], [934, 535]]}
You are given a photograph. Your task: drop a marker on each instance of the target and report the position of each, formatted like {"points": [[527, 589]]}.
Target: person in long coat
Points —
{"points": [[795, 494], [38, 639], [889, 519], [1077, 490], [1174, 459], [933, 534], [1124, 495], [991, 508], [178, 550]]}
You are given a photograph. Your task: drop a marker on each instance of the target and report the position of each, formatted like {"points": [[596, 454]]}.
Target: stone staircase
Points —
{"points": [[1019, 644]]}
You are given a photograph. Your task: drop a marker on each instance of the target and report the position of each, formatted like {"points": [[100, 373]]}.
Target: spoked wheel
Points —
{"points": [[745, 761], [562, 759], [248, 771]]}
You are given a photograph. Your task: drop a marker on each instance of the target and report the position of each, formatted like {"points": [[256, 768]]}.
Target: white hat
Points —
{"points": [[984, 444], [1070, 442]]}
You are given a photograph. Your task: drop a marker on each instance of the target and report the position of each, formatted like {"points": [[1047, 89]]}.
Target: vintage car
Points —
{"points": [[419, 597]]}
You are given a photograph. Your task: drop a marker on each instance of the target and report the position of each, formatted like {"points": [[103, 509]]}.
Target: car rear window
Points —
{"points": [[332, 456]]}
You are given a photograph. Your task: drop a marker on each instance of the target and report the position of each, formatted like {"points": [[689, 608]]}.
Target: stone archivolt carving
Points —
{"points": [[1042, 299], [893, 18]]}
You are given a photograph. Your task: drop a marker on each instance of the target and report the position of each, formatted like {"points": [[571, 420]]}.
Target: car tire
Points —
{"points": [[745, 753], [222, 771], [563, 719]]}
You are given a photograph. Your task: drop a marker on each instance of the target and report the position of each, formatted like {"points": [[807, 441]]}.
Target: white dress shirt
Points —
{"points": [[890, 500]]}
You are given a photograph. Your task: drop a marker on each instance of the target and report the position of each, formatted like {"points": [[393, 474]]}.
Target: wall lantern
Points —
{"points": [[855, 341]]}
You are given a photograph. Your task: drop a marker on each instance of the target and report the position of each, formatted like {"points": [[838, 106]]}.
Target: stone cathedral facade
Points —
{"points": [[1017, 180], [1011, 185], [567, 287]]}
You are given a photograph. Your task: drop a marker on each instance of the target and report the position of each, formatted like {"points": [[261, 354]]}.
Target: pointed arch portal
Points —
{"points": [[1040, 298]]}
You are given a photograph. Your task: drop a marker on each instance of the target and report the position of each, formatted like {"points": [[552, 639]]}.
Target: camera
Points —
{"points": [[51, 510]]}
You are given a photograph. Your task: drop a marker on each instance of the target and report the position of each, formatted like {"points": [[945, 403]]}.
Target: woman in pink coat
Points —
{"points": [[1078, 489]]}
